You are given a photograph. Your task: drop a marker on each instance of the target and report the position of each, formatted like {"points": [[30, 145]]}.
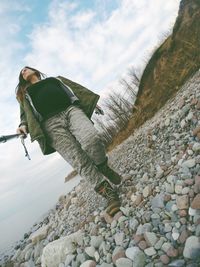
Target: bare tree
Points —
{"points": [[119, 107]]}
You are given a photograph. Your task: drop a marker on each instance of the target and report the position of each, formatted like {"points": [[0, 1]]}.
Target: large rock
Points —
{"points": [[40, 234], [192, 248], [56, 251]]}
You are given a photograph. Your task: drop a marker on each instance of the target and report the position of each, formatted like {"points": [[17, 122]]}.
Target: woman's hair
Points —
{"points": [[23, 84]]}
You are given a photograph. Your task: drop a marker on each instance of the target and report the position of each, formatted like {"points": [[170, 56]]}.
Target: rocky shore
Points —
{"points": [[159, 221]]}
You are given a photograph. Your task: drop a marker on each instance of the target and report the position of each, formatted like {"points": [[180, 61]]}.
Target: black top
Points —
{"points": [[48, 97]]}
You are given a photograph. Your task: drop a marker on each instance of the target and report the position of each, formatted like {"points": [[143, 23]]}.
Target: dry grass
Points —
{"points": [[170, 66]]}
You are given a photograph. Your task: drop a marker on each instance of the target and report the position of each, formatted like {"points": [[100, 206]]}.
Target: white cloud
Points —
{"points": [[99, 52]]}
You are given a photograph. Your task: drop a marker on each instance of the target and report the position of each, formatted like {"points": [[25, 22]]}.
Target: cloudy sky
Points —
{"points": [[91, 42]]}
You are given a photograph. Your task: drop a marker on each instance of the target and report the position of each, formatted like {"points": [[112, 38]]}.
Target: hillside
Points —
{"points": [[169, 67], [159, 221]]}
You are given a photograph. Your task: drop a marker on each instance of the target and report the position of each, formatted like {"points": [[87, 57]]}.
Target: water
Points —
{"points": [[33, 203]]}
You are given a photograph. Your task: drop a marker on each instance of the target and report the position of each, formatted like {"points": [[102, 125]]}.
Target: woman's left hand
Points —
{"points": [[99, 110]]}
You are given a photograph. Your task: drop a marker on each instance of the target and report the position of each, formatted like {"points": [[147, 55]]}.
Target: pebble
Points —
{"points": [[118, 253], [189, 163], [88, 263], [146, 191], [182, 202], [150, 238], [124, 262], [150, 251], [164, 259], [196, 202]]}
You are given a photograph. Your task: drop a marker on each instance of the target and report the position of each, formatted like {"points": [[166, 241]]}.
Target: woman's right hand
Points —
{"points": [[22, 130]]}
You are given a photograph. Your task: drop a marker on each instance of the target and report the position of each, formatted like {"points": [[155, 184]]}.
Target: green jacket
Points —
{"points": [[88, 101]]}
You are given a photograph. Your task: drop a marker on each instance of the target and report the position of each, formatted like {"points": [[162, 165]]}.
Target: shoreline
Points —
{"points": [[159, 221]]}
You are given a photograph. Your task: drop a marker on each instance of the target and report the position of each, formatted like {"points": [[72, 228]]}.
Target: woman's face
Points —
{"points": [[27, 73]]}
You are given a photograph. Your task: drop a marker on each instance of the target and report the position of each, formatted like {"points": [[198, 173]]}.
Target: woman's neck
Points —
{"points": [[34, 79]]}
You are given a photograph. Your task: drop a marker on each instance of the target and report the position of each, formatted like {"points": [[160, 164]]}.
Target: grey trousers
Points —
{"points": [[75, 138]]}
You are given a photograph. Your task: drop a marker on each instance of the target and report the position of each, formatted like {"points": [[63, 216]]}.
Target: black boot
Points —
{"points": [[114, 203], [109, 173]]}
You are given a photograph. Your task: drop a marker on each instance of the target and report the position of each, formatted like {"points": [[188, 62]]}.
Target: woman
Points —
{"points": [[56, 112]]}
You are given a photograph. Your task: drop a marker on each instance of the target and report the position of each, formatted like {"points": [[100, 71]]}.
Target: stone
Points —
{"points": [[136, 199], [150, 251], [181, 103], [133, 223], [192, 248], [166, 246], [90, 251], [183, 236], [196, 131], [113, 224], [69, 259], [145, 177], [119, 237], [196, 147], [88, 263], [124, 262], [104, 264], [136, 255], [158, 201], [164, 259], [137, 238], [185, 190], [182, 213], [197, 230], [189, 163], [192, 212], [167, 122], [178, 189], [56, 251], [39, 235], [167, 227], [118, 253], [182, 202], [159, 244], [171, 179], [169, 187], [172, 252], [96, 241], [150, 238], [139, 230], [167, 197], [96, 256], [197, 184], [142, 245], [175, 236], [177, 263], [196, 202], [146, 191], [189, 182]]}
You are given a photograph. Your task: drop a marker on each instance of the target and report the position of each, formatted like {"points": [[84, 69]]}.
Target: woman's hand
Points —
{"points": [[99, 110], [22, 130]]}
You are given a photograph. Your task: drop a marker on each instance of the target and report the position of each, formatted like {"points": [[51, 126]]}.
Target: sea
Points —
{"points": [[32, 209]]}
